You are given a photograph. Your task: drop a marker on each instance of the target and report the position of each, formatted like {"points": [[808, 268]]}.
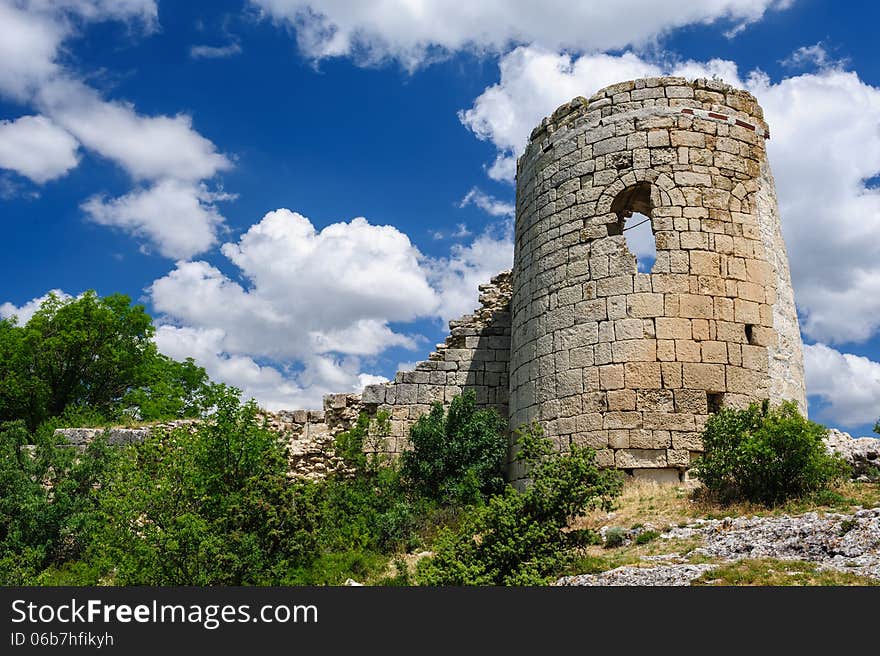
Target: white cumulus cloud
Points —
{"points": [[178, 218], [488, 203], [308, 309], [164, 151], [416, 32], [37, 148], [848, 385], [147, 147], [309, 292], [24, 313]]}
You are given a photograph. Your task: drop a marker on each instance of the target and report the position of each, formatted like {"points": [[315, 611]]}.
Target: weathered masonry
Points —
{"points": [[576, 338], [632, 363]]}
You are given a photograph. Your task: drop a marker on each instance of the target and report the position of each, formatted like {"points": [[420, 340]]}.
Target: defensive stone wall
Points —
{"points": [[473, 357], [576, 338], [632, 363]]}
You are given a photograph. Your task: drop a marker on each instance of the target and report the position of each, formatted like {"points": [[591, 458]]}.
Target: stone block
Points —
{"points": [[687, 441], [630, 328], [642, 375], [619, 419], [648, 439], [634, 350], [623, 399], [645, 305], [695, 306], [611, 377], [704, 263], [692, 179], [716, 352], [673, 328], [701, 329], [658, 138], [671, 421], [677, 458], [598, 439], [374, 394], [655, 400], [605, 458], [688, 350], [615, 285], [590, 421], [709, 377], [692, 401], [670, 373], [744, 381], [640, 458], [665, 350], [746, 311], [688, 138]]}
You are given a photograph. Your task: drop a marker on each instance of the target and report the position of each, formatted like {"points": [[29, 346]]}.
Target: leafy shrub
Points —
{"points": [[847, 525], [764, 455], [456, 456], [519, 538], [615, 537], [647, 536], [48, 501], [207, 505]]}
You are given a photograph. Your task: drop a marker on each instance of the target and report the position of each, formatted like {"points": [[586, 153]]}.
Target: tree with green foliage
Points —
{"points": [[48, 503], [521, 538], [209, 504], [96, 353], [764, 455], [457, 456]]}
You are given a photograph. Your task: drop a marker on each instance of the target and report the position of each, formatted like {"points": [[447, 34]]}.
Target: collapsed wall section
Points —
{"points": [[475, 356]]}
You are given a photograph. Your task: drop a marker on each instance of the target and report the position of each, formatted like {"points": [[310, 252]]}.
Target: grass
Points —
{"points": [[644, 502], [769, 571], [596, 558]]}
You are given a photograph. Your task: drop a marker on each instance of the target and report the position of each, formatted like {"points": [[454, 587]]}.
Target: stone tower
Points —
{"points": [[632, 363]]}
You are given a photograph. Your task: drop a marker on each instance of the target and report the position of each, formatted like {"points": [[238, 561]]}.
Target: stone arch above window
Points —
{"points": [[632, 207]]}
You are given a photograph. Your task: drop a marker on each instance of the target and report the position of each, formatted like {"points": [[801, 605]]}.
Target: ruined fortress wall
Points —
{"points": [[576, 338], [632, 363], [474, 357]]}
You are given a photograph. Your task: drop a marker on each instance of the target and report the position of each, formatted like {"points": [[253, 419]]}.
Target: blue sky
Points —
{"points": [[302, 193]]}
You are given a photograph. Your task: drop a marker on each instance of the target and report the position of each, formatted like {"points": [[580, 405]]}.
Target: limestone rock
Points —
{"points": [[862, 454]]}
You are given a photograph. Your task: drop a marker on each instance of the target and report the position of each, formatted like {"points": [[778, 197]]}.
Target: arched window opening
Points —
{"points": [[633, 209]]}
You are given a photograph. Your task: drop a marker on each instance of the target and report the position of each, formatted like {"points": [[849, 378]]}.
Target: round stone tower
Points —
{"points": [[632, 363]]}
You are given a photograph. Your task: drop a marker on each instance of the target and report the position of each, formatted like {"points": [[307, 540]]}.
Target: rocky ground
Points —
{"points": [[843, 542], [847, 542]]}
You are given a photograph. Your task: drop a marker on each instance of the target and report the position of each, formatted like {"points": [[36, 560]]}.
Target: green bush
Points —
{"points": [[207, 505], [615, 537], [520, 538], [456, 457], [764, 455], [48, 501]]}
